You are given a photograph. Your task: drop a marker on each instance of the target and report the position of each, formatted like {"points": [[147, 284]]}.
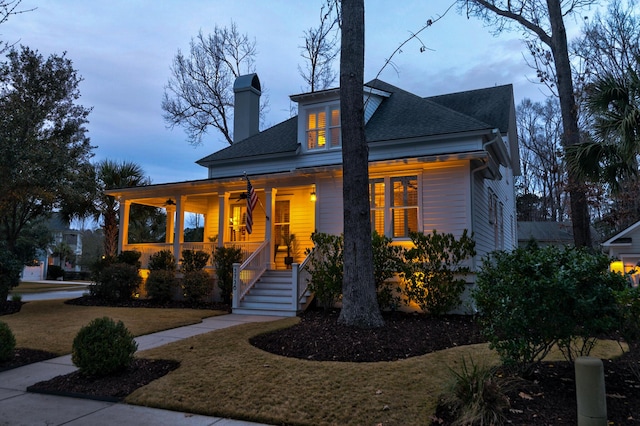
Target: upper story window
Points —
{"points": [[323, 128]]}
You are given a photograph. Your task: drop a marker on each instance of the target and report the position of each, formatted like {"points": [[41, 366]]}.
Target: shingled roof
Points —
{"points": [[489, 105], [402, 115]]}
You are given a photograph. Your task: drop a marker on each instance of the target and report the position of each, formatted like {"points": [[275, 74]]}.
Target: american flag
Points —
{"points": [[252, 200]]}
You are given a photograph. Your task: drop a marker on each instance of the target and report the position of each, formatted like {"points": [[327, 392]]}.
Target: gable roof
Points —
{"points": [[487, 105], [278, 139], [405, 115], [402, 115], [622, 237]]}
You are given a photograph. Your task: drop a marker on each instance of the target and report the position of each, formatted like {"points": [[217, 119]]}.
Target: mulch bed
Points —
{"points": [[547, 397], [113, 388], [319, 337]]}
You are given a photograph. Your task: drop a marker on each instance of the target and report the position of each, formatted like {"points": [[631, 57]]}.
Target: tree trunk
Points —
{"points": [[359, 303], [571, 136], [110, 235]]}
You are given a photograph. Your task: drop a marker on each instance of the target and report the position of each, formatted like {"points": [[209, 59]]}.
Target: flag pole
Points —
{"points": [[259, 201]]}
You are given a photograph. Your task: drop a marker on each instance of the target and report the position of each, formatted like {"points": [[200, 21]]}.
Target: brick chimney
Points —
{"points": [[246, 114]]}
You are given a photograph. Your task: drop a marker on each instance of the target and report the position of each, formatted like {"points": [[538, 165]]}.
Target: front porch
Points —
{"points": [[269, 264]]}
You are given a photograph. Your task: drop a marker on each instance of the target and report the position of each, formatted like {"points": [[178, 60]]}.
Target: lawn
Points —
{"points": [[51, 325], [221, 374]]}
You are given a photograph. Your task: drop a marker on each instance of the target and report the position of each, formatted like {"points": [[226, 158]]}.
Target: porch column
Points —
{"points": [[270, 202], [123, 236], [222, 217], [179, 228], [170, 224]]}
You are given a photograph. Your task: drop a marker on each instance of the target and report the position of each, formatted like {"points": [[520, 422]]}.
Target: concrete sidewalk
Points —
{"points": [[18, 407]]}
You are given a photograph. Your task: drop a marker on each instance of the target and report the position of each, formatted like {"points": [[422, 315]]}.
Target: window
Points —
{"points": [[322, 133], [376, 199], [405, 205], [396, 211]]}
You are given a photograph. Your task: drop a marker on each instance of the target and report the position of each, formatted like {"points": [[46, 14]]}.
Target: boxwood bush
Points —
{"points": [[103, 347], [116, 282]]}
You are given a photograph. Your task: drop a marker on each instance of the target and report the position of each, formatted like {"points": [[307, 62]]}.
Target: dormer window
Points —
{"points": [[323, 128]]}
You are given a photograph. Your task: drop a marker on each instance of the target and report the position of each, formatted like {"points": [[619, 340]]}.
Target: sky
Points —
{"points": [[123, 50]]}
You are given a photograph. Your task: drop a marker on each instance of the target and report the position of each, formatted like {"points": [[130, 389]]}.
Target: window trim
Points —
{"points": [[388, 202], [329, 144]]}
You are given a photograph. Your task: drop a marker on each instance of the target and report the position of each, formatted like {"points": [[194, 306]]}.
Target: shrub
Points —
{"points": [[54, 272], [474, 396], [534, 298], [224, 258], [164, 260], [103, 347], [193, 260], [628, 300], [325, 268], [196, 285], [432, 272], [130, 257], [7, 342], [387, 262], [116, 282], [161, 284], [10, 270]]}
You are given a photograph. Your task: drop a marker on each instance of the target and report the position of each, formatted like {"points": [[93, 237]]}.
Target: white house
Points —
{"points": [[443, 162], [625, 248]]}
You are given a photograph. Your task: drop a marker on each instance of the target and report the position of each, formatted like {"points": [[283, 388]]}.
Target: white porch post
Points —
{"points": [[170, 223], [123, 229], [222, 217], [179, 228], [270, 201]]}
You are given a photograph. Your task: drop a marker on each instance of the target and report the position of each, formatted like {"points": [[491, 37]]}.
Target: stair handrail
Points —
{"points": [[246, 274], [302, 277]]}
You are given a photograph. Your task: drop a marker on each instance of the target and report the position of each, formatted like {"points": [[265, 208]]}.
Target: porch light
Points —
{"points": [[313, 196]]}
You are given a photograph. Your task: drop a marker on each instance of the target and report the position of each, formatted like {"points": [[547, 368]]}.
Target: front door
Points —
{"points": [[281, 231]]}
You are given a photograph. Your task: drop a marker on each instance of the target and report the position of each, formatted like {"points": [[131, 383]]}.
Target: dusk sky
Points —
{"points": [[123, 50]]}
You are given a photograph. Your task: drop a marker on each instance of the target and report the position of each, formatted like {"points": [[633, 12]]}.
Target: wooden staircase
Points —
{"points": [[271, 295]]}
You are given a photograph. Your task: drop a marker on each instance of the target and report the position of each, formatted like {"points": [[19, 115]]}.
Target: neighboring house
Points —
{"points": [[61, 233], [625, 248], [444, 162], [545, 233]]}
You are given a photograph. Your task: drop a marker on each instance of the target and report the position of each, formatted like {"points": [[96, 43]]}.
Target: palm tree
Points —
{"points": [[614, 103], [110, 175]]}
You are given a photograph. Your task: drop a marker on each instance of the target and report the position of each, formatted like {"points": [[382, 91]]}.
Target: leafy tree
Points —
{"points": [[199, 94], [534, 298], [544, 20], [44, 152], [359, 303], [320, 50], [111, 174]]}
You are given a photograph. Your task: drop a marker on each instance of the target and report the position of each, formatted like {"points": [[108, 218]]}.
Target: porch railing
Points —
{"points": [[147, 249], [301, 278], [246, 247], [246, 274]]}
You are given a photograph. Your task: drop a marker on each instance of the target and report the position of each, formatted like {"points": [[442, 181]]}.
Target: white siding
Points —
{"points": [[445, 198], [329, 205]]}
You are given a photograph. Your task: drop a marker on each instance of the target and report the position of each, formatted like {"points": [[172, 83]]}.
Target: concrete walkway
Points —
{"points": [[18, 407]]}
